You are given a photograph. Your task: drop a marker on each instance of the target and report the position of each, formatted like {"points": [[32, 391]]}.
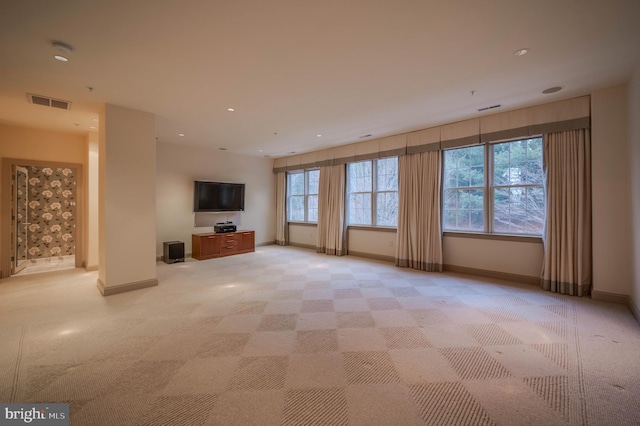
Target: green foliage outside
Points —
{"points": [[518, 191]]}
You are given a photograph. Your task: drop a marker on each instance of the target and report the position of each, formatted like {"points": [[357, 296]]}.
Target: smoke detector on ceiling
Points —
{"points": [[62, 51]]}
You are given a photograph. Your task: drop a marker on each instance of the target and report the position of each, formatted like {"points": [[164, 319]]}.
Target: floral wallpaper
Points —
{"points": [[51, 212]]}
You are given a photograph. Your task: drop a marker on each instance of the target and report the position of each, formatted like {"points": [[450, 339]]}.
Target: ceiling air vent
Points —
{"points": [[490, 107], [50, 102]]}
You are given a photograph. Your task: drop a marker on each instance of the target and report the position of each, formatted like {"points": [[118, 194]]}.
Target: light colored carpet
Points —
{"points": [[285, 336]]}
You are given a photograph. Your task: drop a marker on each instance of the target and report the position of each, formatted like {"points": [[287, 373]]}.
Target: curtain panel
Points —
{"points": [[567, 266], [419, 236], [282, 234], [331, 238]]}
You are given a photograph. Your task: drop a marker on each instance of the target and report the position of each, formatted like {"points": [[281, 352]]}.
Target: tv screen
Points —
{"points": [[218, 196]]}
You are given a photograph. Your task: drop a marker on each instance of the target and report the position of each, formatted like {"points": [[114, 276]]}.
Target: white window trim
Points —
{"points": [[488, 189], [374, 195], [306, 195]]}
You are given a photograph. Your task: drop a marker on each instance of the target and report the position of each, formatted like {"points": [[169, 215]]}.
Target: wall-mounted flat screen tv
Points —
{"points": [[218, 196]]}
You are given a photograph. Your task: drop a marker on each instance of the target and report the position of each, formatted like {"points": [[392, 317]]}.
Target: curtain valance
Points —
{"points": [[570, 114]]}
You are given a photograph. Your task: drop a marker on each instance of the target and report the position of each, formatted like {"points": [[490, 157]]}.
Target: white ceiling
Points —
{"points": [[294, 69]]}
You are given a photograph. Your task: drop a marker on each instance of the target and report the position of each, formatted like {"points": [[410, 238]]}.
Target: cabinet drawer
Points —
{"points": [[230, 248], [212, 245]]}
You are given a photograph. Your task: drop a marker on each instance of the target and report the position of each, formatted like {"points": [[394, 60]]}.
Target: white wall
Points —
{"points": [[303, 235], [380, 244], [127, 219], [508, 257], [612, 258], [178, 166], [634, 163], [92, 202], [366, 242]]}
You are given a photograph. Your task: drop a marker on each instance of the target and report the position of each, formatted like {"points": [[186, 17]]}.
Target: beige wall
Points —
{"points": [[127, 198], [35, 144], [379, 244], [612, 259], [92, 202], [40, 145], [634, 163], [612, 218], [303, 235], [178, 166], [507, 257]]}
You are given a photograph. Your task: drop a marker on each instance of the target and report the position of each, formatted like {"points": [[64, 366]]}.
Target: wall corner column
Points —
{"points": [[127, 200]]}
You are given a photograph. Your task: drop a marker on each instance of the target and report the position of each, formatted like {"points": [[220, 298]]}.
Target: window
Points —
{"points": [[464, 189], [302, 192], [372, 192], [510, 172]]}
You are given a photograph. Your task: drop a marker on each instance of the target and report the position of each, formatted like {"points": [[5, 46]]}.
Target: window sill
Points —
{"points": [[372, 228], [495, 237], [291, 222]]}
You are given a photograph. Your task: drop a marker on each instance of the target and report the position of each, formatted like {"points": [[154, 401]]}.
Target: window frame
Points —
{"points": [[488, 189], [374, 192], [306, 195]]}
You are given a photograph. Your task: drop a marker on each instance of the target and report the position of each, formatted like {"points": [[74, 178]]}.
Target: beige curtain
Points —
{"points": [[282, 234], [567, 239], [419, 238], [331, 211]]}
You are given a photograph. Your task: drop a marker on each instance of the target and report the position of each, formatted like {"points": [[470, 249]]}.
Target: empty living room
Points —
{"points": [[334, 213]]}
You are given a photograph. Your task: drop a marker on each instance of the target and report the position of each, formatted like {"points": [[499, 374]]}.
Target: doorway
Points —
{"points": [[20, 218], [42, 231]]}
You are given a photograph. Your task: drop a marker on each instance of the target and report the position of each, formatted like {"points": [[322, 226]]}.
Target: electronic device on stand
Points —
{"points": [[222, 227]]}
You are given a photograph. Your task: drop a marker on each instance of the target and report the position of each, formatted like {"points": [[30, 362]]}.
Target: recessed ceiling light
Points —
{"points": [[231, 109], [364, 136], [291, 152], [552, 90], [259, 150], [61, 58], [521, 52], [92, 127], [319, 136], [181, 134]]}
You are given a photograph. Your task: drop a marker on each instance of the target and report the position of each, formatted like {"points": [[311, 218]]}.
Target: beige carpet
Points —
{"points": [[285, 336]]}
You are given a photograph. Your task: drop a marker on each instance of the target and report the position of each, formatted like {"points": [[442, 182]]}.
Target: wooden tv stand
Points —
{"points": [[212, 245]]}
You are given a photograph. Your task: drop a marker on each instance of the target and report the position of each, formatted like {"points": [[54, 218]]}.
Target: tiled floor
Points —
{"points": [[48, 264]]}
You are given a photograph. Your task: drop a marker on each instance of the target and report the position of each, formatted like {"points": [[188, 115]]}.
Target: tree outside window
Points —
{"points": [[372, 192], [514, 178], [302, 195]]}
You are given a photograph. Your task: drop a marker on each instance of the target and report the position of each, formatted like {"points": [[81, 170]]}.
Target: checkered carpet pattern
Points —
{"points": [[285, 336]]}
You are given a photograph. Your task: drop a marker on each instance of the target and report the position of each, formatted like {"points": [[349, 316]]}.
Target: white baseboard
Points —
{"points": [[122, 288], [525, 279], [634, 309], [372, 256], [604, 296], [306, 246]]}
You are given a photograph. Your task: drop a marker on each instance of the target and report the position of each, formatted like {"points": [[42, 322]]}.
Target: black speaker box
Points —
{"points": [[173, 251]]}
